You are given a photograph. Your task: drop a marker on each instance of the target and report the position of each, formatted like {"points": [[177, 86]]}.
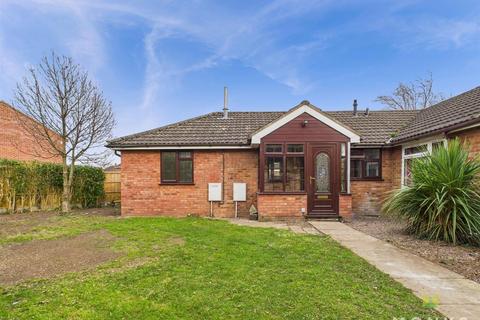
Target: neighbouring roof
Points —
{"points": [[374, 128], [456, 111]]}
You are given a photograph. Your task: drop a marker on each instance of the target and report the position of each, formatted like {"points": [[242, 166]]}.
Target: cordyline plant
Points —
{"points": [[443, 200], [72, 117]]}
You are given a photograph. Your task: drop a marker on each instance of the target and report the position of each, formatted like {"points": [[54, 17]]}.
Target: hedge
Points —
{"points": [[34, 185]]}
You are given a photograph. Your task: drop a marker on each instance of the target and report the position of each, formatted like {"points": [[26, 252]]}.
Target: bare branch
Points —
{"points": [[71, 115], [412, 96]]}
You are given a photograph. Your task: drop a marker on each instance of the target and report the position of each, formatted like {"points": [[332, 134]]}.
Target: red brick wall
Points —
{"points": [[142, 193], [367, 196], [345, 206], [16, 143], [281, 206], [472, 137]]}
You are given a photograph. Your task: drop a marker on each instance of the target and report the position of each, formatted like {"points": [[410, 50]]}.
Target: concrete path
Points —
{"points": [[457, 297]]}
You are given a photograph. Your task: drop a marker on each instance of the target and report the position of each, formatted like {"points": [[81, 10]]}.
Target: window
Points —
{"points": [[284, 171], [365, 164], [274, 148], [410, 153], [295, 174], [295, 148], [343, 168], [177, 167]]}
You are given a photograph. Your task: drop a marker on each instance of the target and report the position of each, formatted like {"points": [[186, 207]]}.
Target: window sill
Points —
{"points": [[177, 183], [281, 193]]}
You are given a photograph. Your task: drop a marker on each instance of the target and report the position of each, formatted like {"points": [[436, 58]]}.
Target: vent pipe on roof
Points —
{"points": [[355, 107], [367, 112], [225, 103]]}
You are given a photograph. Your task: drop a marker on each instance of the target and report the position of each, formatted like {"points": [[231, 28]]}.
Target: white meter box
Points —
{"points": [[239, 191], [214, 192]]}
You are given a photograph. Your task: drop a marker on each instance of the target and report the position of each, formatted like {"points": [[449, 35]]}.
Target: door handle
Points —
{"points": [[312, 179]]}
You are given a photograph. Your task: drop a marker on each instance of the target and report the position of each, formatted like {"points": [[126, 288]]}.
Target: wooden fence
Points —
{"points": [[112, 186]]}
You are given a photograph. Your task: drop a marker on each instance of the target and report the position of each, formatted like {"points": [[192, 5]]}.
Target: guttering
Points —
{"points": [[181, 148]]}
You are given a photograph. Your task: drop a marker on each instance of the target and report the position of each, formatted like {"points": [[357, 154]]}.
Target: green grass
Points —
{"points": [[220, 271]]}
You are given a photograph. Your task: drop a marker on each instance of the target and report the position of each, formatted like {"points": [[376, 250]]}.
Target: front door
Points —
{"points": [[323, 193]]}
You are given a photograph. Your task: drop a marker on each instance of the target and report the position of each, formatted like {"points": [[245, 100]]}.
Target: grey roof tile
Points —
{"points": [[211, 129], [457, 110]]}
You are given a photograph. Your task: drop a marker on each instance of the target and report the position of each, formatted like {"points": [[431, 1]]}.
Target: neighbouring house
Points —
{"points": [[304, 162], [16, 143]]}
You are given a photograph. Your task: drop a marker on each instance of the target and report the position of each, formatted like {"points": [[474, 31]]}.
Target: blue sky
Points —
{"points": [[164, 61]]}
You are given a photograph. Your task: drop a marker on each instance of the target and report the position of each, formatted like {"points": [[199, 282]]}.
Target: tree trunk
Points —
{"points": [[66, 194]]}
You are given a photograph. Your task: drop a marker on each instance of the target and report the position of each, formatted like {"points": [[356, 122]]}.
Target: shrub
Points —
{"points": [[443, 201], [29, 185]]}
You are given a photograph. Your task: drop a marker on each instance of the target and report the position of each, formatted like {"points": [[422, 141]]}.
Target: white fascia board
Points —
{"points": [[256, 138], [182, 148]]}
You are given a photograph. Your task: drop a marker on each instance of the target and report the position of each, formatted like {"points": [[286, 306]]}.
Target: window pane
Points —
{"points": [[356, 168], [407, 175], [169, 167], [372, 154], [273, 175], [295, 174], [437, 145], [295, 148], [356, 153], [277, 148], [372, 169], [416, 149], [186, 171], [185, 154], [343, 166]]}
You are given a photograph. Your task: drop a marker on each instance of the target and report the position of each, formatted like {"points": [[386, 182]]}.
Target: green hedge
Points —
{"points": [[35, 185]]}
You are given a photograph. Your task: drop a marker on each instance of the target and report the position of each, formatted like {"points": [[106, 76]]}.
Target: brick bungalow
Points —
{"points": [[16, 143], [304, 162]]}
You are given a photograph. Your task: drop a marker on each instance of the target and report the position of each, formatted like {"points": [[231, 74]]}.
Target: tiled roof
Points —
{"points": [[212, 130], [207, 130], [458, 110], [378, 126]]}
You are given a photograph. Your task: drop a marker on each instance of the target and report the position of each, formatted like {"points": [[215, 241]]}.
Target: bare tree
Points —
{"points": [[412, 96], [65, 103]]}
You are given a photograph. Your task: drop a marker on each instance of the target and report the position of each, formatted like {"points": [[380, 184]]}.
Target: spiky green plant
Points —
{"points": [[443, 200]]}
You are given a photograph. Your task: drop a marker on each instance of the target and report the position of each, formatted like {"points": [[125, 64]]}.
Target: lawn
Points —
{"points": [[194, 268]]}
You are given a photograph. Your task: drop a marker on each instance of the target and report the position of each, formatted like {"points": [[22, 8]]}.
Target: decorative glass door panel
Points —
{"points": [[322, 172]]}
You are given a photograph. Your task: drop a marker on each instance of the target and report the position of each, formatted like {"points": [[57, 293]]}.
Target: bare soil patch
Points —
{"points": [[17, 223], [464, 260], [49, 258]]}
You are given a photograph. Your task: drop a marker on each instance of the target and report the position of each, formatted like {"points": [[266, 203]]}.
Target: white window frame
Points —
{"points": [[428, 142]]}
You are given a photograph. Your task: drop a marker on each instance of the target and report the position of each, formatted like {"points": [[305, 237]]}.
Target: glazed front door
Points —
{"points": [[323, 193]]}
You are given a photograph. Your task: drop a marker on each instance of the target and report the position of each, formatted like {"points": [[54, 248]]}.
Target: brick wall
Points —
{"points": [[367, 196], [142, 193], [281, 206], [345, 206], [16, 143], [472, 137]]}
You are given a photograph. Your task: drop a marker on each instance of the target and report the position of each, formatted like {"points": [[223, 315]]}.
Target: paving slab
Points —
{"points": [[456, 297]]}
